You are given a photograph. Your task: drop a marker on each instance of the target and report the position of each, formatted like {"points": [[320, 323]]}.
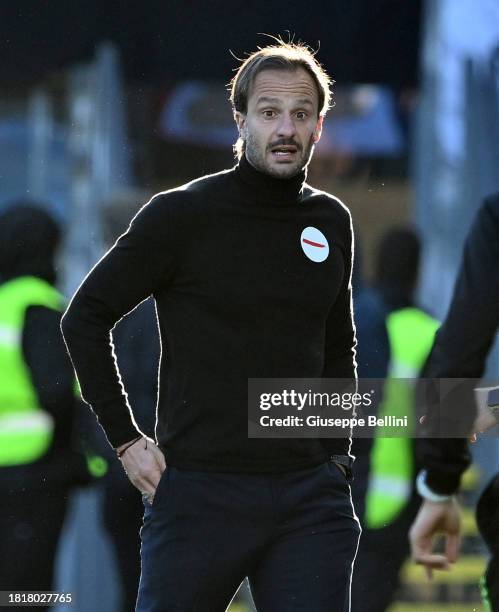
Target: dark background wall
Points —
{"points": [[373, 41]]}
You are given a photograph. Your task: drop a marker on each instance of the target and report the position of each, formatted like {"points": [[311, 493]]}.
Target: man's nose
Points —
{"points": [[286, 127]]}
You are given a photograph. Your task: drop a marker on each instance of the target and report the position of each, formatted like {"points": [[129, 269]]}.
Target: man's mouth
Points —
{"points": [[284, 152]]}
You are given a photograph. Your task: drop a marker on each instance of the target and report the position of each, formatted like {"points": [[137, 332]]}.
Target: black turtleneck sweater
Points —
{"points": [[236, 298]]}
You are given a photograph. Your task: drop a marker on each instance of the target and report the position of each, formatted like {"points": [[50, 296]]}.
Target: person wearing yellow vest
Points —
{"points": [[391, 502], [411, 333], [37, 402]]}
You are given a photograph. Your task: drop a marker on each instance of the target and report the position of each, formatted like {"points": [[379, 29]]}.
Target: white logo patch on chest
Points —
{"points": [[314, 244]]}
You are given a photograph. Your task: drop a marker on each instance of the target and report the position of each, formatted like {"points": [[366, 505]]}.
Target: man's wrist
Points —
{"points": [[121, 449], [426, 493]]}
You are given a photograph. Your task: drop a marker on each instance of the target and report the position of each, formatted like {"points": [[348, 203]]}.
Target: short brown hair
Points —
{"points": [[281, 56]]}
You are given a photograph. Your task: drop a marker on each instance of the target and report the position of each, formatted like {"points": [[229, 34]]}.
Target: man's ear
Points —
{"points": [[240, 119], [318, 129]]}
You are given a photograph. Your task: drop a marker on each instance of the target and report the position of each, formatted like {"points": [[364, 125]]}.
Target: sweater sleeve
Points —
{"points": [[463, 342], [340, 341], [138, 265]]}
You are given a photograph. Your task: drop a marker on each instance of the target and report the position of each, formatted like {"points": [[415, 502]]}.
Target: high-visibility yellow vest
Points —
{"points": [[411, 333], [26, 430]]}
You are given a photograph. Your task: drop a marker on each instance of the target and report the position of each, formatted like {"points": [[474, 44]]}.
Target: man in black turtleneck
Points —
{"points": [[251, 272]]}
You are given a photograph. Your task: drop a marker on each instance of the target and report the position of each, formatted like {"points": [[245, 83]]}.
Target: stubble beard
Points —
{"points": [[258, 160]]}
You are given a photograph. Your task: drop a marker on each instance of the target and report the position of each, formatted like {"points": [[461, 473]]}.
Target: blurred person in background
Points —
{"points": [[251, 272], [38, 404], [136, 342], [460, 351], [391, 501], [373, 356]]}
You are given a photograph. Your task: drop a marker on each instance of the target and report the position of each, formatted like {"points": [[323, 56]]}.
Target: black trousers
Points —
{"points": [[31, 521], [295, 535]]}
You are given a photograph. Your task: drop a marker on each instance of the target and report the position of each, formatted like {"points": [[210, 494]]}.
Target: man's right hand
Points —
{"points": [[143, 463]]}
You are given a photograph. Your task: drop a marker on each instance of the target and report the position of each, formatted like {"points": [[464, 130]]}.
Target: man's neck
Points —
{"points": [[263, 186]]}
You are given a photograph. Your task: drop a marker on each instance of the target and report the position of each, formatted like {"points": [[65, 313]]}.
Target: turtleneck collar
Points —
{"points": [[263, 187]]}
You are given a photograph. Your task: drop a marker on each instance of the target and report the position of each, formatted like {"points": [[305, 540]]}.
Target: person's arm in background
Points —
{"points": [[50, 367], [140, 264], [53, 379], [460, 351]]}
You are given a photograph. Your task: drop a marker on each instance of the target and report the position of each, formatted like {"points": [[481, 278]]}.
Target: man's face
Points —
{"points": [[282, 124]]}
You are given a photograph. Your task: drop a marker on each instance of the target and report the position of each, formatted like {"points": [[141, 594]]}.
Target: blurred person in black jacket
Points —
{"points": [[38, 464], [373, 357], [391, 502], [460, 351]]}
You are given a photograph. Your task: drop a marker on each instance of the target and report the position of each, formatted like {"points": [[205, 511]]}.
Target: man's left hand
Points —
{"points": [[434, 518]]}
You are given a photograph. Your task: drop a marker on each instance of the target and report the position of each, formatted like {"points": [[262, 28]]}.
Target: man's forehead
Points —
{"points": [[275, 83]]}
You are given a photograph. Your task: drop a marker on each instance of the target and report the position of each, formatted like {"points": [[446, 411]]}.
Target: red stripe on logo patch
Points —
{"points": [[315, 244]]}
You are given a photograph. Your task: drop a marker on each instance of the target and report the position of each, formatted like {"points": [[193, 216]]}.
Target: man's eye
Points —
{"points": [[268, 113], [301, 115]]}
